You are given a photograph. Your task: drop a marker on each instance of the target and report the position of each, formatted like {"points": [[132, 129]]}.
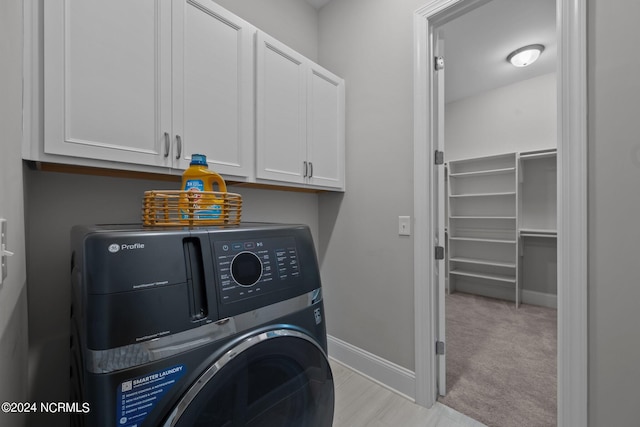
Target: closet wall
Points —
{"points": [[517, 118]]}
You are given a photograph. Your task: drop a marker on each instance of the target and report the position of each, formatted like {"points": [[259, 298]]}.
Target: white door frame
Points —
{"points": [[572, 207]]}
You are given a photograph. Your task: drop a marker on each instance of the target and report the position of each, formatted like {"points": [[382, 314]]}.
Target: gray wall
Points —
{"points": [[614, 210], [13, 294], [367, 269], [293, 22]]}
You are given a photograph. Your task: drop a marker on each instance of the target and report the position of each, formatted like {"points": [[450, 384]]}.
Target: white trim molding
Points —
{"points": [[425, 332], [389, 375], [572, 205], [539, 298], [572, 213]]}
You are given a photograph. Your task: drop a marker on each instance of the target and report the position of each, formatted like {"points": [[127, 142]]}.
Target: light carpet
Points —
{"points": [[501, 361]]}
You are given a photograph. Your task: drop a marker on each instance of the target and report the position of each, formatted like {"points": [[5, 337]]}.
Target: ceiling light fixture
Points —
{"points": [[526, 55]]}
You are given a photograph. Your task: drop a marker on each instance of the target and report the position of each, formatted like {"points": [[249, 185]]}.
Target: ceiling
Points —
{"points": [[317, 3], [477, 43]]}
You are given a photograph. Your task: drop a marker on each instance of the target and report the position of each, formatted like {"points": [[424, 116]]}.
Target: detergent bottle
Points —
{"points": [[196, 179]]}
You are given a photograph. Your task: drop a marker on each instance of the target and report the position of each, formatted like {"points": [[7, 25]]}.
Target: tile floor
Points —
{"points": [[362, 402]]}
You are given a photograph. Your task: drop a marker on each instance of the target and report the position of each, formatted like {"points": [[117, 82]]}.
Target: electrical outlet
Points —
{"points": [[404, 225], [4, 253]]}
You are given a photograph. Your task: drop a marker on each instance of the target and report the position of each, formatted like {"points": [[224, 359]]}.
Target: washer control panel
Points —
{"points": [[248, 268]]}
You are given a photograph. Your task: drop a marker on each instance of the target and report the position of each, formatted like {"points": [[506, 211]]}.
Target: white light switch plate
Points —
{"points": [[404, 225]]}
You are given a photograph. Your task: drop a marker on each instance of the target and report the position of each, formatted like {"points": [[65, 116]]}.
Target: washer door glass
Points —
{"points": [[278, 378]]}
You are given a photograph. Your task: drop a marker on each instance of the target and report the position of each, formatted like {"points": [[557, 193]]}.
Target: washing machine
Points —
{"points": [[204, 326]]}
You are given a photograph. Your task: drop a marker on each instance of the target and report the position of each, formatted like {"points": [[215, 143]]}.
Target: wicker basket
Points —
{"points": [[189, 208]]}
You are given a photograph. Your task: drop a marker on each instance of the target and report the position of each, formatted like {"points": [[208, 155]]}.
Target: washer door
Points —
{"points": [[276, 378]]}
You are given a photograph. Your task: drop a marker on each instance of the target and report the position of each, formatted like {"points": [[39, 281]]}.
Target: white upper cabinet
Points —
{"points": [[300, 118], [107, 83], [325, 128], [281, 111], [149, 82], [143, 85], [213, 87]]}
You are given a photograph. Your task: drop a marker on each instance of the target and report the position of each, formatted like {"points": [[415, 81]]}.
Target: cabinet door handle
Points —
{"points": [[310, 169], [306, 169], [179, 146], [167, 144]]}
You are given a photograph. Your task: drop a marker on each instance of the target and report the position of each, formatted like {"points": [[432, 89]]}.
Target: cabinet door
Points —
{"points": [[107, 83], [213, 87], [325, 128], [281, 111]]}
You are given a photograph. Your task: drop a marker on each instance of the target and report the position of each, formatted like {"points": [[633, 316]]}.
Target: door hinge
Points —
{"points": [[439, 347], [439, 157], [438, 63], [439, 252]]}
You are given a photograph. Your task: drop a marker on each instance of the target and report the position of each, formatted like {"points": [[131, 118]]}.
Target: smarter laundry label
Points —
{"points": [[138, 396]]}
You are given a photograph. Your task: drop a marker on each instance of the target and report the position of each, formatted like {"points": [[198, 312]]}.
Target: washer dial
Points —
{"points": [[246, 268]]}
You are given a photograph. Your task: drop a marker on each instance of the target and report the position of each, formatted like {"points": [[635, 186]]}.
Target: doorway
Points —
{"points": [[572, 278], [499, 142]]}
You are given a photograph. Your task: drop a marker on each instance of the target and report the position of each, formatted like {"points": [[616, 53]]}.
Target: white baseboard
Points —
{"points": [[491, 291], [539, 298], [394, 377], [528, 297]]}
